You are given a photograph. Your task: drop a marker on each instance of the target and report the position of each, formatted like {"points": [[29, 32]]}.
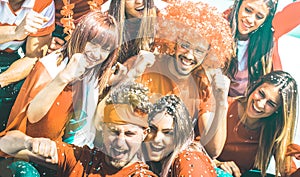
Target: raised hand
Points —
{"points": [[219, 82], [32, 22], [56, 43], [144, 59], [74, 69]]}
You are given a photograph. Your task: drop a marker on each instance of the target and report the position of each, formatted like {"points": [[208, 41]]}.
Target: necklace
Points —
{"points": [[67, 13]]}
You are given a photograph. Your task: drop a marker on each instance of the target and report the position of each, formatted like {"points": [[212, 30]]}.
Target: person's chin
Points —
{"points": [[155, 158], [184, 72], [118, 163]]}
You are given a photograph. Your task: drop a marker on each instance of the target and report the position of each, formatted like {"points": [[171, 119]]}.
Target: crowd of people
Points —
{"points": [[140, 90]]}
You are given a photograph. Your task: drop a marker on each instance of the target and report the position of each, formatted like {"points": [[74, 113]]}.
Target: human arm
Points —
{"points": [[119, 72], [39, 106], [16, 143], [36, 27], [35, 48], [133, 68], [32, 22], [56, 43], [213, 137], [192, 163], [293, 150], [287, 19], [229, 167], [143, 60], [17, 71]]}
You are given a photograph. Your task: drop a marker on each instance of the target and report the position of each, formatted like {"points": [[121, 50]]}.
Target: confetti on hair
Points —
{"points": [[132, 93], [169, 102]]}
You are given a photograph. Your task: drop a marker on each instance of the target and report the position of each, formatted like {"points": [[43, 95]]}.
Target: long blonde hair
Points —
{"points": [[145, 31], [277, 130]]}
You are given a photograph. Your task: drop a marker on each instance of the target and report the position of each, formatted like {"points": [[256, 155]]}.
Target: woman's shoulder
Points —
{"points": [[51, 65], [193, 162]]}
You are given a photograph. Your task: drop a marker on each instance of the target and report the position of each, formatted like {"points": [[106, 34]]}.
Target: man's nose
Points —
{"points": [[190, 54], [120, 141]]}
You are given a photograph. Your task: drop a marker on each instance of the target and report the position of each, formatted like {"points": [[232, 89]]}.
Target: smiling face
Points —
{"points": [[95, 54], [160, 140], [252, 14], [134, 8], [122, 143], [263, 101], [190, 53]]}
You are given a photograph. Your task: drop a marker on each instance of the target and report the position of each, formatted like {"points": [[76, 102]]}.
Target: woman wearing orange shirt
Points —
{"points": [[69, 79]]}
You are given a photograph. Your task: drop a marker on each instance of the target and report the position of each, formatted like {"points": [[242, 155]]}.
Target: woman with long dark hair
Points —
{"points": [[251, 25]]}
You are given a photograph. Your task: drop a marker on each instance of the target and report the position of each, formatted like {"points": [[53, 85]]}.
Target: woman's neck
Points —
{"points": [[156, 167], [243, 37]]}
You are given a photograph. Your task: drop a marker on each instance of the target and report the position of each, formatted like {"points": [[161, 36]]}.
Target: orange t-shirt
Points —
{"points": [[82, 161], [53, 123], [294, 150], [192, 163], [193, 90]]}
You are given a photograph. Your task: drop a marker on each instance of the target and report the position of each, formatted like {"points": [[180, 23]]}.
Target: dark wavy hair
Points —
{"points": [[261, 43]]}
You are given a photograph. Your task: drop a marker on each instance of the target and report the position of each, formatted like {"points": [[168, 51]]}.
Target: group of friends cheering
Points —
{"points": [[133, 88]]}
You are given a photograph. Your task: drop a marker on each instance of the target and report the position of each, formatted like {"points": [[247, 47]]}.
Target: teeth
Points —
{"points": [[256, 109], [186, 61], [119, 150], [156, 148], [246, 25], [140, 8]]}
